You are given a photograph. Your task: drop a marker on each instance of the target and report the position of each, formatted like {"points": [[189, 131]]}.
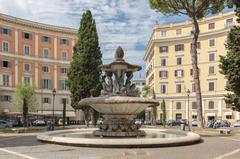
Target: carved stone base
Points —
{"points": [[119, 126]]}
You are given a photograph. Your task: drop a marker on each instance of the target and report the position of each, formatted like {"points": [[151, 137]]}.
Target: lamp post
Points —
{"points": [[54, 94], [188, 94]]}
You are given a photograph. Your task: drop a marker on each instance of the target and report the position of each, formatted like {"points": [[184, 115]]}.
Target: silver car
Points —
{"points": [[237, 124], [5, 124]]}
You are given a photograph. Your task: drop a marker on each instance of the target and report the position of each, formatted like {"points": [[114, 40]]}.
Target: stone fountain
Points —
{"points": [[119, 105], [118, 102]]}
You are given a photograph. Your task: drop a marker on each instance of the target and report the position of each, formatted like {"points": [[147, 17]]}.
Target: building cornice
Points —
{"points": [[33, 59], [36, 25]]}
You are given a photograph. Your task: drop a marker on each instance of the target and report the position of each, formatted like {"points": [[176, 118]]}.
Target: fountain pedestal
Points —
{"points": [[119, 102]]}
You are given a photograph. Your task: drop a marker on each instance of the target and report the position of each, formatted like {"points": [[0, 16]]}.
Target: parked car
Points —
{"points": [[60, 122], [138, 121], [237, 124], [5, 124], [159, 122], [147, 122], [38, 122], [194, 122], [221, 123], [181, 121], [210, 124], [171, 123]]}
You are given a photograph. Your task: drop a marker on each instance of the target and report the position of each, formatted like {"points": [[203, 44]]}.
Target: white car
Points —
{"points": [[39, 123], [194, 123], [237, 124]]}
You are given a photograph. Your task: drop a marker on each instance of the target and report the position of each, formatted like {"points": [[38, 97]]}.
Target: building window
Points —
{"points": [[27, 67], [46, 84], [178, 88], [64, 42], [228, 117], [46, 100], [179, 47], [229, 22], [64, 56], [179, 32], [64, 70], [211, 105], [178, 105], [178, 116], [194, 105], [163, 88], [6, 64], [163, 74], [163, 62], [163, 49], [63, 85], [198, 45], [193, 87], [6, 80], [5, 31], [179, 73], [27, 80], [45, 69], [26, 49], [5, 46], [46, 39], [211, 70], [179, 60], [211, 26], [46, 53], [211, 86], [211, 42], [6, 98], [211, 57], [27, 36], [163, 33]]}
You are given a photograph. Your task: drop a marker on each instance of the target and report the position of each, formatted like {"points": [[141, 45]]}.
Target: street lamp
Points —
{"points": [[54, 94], [188, 94]]}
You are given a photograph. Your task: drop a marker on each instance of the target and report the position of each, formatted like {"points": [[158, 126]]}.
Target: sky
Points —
{"points": [[125, 23]]}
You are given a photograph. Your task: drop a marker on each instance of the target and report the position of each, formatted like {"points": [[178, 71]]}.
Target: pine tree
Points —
{"points": [[84, 74], [230, 64]]}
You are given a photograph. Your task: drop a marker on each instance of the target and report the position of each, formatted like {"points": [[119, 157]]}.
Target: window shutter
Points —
{"points": [[175, 73], [49, 40], [42, 38], [9, 64], [49, 100], [30, 36], [50, 84], [23, 35], [9, 32], [182, 73], [166, 73], [67, 42], [1, 30]]}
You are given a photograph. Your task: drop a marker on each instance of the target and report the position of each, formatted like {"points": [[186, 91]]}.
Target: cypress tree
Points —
{"points": [[84, 74]]}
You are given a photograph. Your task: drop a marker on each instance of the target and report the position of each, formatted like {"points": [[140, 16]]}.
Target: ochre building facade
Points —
{"points": [[169, 68]]}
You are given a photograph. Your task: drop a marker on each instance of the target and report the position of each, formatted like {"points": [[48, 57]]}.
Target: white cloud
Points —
{"points": [[119, 22]]}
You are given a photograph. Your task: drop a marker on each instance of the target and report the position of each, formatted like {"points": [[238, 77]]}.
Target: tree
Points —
{"points": [[84, 74], [164, 113], [25, 100], [154, 110], [146, 91], [195, 10], [230, 64]]}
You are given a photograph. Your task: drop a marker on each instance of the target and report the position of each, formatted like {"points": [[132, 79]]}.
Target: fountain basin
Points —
{"points": [[119, 113], [154, 138]]}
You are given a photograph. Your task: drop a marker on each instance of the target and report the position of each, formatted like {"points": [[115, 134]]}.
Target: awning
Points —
{"points": [[194, 113], [210, 114], [227, 113]]}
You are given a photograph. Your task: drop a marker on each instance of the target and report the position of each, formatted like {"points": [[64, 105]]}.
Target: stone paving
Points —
{"points": [[212, 147]]}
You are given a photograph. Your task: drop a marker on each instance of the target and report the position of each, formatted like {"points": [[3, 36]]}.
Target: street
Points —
{"points": [[27, 147]]}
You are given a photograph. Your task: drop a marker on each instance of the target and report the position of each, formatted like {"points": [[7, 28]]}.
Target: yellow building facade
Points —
{"points": [[169, 68]]}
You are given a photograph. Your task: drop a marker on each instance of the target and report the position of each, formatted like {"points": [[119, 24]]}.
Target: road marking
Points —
{"points": [[8, 138], [228, 154], [17, 154]]}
